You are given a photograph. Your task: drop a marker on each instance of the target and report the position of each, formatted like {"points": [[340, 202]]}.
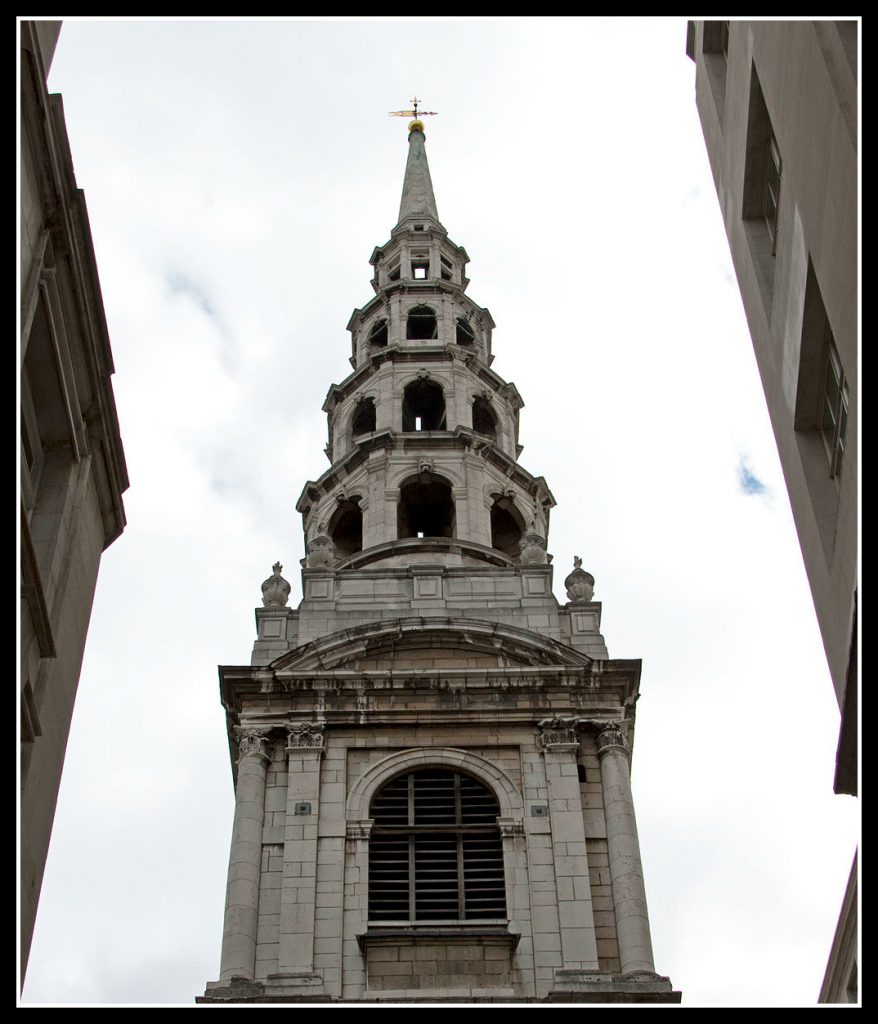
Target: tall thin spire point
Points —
{"points": [[417, 189]]}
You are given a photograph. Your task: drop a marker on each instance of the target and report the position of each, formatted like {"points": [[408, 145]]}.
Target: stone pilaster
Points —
{"points": [[356, 912], [242, 892], [560, 748], [626, 871], [299, 887]]}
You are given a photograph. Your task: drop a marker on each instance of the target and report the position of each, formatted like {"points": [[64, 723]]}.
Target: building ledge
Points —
{"points": [[399, 933]]}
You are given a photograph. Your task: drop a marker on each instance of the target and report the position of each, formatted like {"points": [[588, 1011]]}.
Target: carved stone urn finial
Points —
{"points": [[579, 584], [275, 590], [533, 549], [321, 552]]}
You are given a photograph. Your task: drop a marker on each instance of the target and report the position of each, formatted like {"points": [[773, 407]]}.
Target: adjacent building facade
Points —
{"points": [[72, 465], [778, 103], [431, 754]]}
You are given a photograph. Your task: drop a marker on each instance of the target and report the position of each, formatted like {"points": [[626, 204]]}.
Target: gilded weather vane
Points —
{"points": [[415, 113]]}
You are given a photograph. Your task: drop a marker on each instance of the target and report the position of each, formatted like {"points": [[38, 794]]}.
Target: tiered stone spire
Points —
{"points": [[423, 435]]}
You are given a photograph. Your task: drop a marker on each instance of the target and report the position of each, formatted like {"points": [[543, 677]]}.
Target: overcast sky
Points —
{"points": [[238, 175]]}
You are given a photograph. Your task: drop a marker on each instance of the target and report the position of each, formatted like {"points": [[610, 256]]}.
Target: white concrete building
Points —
{"points": [[431, 755], [778, 103]]}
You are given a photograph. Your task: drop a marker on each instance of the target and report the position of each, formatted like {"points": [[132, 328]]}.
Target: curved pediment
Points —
{"points": [[415, 642]]}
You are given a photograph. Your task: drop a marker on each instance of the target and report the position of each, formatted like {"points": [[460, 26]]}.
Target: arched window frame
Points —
{"points": [[415, 331], [411, 517], [420, 396], [359, 825], [360, 409], [436, 849]]}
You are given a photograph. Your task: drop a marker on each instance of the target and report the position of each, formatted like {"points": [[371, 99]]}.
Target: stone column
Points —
{"points": [[560, 748], [299, 890], [245, 861], [626, 871]]}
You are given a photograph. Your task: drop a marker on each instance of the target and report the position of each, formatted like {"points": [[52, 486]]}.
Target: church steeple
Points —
{"points": [[417, 200], [429, 741]]}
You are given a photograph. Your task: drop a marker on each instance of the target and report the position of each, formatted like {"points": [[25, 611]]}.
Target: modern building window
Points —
{"points": [[833, 423], [715, 50], [46, 433], [435, 851], [760, 206], [771, 203], [762, 170], [822, 408]]}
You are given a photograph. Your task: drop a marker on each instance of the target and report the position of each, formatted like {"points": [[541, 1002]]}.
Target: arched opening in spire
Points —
{"points": [[378, 334], [346, 527], [465, 334], [507, 526], [363, 420], [421, 324], [423, 406], [484, 417], [426, 508], [435, 849]]}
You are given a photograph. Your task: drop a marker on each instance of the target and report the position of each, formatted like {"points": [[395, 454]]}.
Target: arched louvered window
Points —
{"points": [[435, 852]]}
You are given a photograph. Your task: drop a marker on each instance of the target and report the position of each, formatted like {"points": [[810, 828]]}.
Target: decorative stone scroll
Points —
{"points": [[557, 732], [252, 741], [275, 590], [305, 736]]}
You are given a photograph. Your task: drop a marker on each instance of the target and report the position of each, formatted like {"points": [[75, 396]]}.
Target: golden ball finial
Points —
{"points": [[416, 126]]}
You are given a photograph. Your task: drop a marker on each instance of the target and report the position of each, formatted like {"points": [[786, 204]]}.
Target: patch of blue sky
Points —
{"points": [[747, 479]]}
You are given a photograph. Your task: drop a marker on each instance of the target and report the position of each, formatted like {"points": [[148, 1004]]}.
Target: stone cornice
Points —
{"points": [[420, 353], [580, 693], [436, 440]]}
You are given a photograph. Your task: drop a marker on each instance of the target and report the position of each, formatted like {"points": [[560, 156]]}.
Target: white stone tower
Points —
{"points": [[431, 755]]}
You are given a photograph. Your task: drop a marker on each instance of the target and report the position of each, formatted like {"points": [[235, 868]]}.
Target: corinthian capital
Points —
{"points": [[305, 736], [611, 736], [252, 741], [557, 732]]}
